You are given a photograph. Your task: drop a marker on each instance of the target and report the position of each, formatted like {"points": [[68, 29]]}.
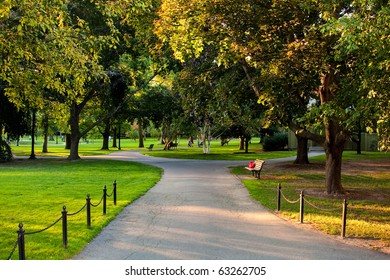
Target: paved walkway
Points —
{"points": [[200, 211]]}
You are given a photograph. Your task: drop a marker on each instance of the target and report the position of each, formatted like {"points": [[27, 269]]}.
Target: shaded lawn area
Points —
{"points": [[34, 193], [366, 180]]}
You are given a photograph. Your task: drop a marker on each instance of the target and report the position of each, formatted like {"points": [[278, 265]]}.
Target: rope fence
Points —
{"points": [[20, 242], [302, 200]]}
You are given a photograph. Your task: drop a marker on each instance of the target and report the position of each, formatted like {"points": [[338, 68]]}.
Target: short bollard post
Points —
{"points": [[279, 195], [344, 219], [88, 210], [22, 255], [301, 208], [114, 192], [104, 200], [65, 227]]}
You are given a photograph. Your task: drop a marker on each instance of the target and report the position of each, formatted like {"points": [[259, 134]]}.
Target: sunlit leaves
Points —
{"points": [[364, 40]]}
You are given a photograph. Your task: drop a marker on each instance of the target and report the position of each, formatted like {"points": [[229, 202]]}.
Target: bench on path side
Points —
{"points": [[151, 147], [257, 168]]}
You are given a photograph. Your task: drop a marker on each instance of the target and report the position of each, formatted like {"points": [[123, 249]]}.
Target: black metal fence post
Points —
{"points": [[88, 210], [22, 254], [279, 195], [104, 200], [114, 192], [301, 208], [64, 227], [344, 219]]}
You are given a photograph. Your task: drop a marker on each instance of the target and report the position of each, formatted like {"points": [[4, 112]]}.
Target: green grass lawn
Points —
{"points": [[366, 179], [93, 147], [90, 148], [217, 152], [34, 193]]}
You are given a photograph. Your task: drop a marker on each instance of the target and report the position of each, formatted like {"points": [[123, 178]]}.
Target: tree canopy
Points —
{"points": [[67, 47], [319, 67], [302, 58]]}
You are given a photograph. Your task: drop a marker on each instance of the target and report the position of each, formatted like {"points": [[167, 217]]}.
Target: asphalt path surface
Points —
{"points": [[199, 211]]}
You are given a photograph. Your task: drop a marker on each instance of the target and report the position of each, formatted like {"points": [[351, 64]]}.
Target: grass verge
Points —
{"points": [[34, 193], [365, 179]]}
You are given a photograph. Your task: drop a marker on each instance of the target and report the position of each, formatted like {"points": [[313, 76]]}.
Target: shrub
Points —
{"points": [[5, 151], [277, 142]]}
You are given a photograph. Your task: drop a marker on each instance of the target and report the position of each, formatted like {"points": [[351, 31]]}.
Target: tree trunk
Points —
{"points": [[106, 135], [162, 138], [119, 137], [67, 141], [247, 140], [74, 132], [140, 135], [359, 144], [359, 141], [302, 154], [242, 143], [206, 139], [34, 114], [334, 153], [334, 138], [45, 133], [114, 137]]}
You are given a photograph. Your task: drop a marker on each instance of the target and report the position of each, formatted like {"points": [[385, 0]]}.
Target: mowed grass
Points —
{"points": [[366, 180], [34, 192], [57, 148], [217, 151]]}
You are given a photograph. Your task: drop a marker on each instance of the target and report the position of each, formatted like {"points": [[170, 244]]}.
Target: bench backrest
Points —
{"points": [[259, 163]]}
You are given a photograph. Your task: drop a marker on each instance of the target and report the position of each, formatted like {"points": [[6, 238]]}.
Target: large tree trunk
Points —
{"points": [[74, 132], [67, 141], [334, 152], [302, 151], [302, 137], [334, 137]]}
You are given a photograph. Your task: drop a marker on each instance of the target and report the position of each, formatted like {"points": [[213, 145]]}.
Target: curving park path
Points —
{"points": [[199, 211]]}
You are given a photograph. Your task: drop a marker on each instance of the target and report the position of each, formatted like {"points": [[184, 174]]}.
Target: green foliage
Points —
{"points": [[363, 40], [5, 151]]}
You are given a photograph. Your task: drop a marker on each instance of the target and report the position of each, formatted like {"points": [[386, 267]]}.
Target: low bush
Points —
{"points": [[5, 151], [277, 142]]}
